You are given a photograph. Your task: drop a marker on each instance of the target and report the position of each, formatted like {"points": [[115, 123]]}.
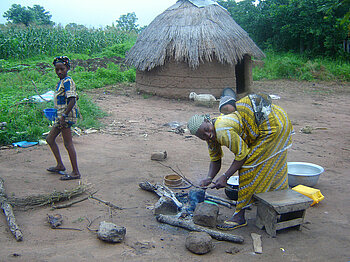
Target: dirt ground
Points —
{"points": [[115, 159]]}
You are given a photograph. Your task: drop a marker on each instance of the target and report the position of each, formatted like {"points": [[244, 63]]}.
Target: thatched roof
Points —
{"points": [[186, 32]]}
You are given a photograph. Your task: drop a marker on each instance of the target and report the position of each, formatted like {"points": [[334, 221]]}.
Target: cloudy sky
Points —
{"points": [[93, 13]]}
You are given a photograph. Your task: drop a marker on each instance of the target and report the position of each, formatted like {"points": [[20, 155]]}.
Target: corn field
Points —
{"points": [[22, 43]]}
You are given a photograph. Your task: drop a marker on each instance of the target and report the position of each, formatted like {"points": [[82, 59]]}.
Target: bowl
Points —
{"points": [[173, 180], [50, 113], [303, 173], [231, 190]]}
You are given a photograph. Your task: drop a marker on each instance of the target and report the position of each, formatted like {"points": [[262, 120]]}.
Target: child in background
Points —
{"points": [[65, 103], [227, 101], [227, 105]]}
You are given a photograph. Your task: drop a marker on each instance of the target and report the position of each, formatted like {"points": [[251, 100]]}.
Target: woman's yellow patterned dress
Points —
{"points": [[261, 133]]}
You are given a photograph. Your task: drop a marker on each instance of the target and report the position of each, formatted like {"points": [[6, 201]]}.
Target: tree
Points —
{"points": [[303, 26], [127, 22], [19, 15], [74, 26], [41, 16], [28, 15]]}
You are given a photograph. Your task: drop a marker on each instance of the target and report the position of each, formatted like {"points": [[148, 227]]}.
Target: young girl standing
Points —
{"points": [[65, 103]]}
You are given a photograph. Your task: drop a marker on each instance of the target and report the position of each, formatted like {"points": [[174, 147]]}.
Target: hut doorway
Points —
{"points": [[243, 75]]}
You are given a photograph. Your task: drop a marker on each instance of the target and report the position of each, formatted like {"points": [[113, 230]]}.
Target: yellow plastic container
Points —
{"points": [[313, 193]]}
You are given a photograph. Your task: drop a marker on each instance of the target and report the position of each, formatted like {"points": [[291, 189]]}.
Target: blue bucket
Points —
{"points": [[50, 113]]}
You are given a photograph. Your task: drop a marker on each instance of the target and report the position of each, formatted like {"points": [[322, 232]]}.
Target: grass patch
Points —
{"points": [[25, 121], [292, 66]]}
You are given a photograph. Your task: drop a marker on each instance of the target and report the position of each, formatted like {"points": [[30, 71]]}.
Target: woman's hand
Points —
{"points": [[220, 182], [206, 182]]}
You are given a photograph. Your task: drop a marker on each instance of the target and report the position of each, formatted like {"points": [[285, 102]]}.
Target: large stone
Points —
{"points": [[159, 156], [165, 206], [205, 214], [199, 242], [110, 232]]}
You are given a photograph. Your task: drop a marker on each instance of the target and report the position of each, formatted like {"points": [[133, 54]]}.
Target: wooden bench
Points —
{"points": [[281, 209]]}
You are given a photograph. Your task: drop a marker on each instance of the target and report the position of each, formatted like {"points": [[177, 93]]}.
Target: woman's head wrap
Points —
{"points": [[195, 122], [62, 59], [227, 100]]}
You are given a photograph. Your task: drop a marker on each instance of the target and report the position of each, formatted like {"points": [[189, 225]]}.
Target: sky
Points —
{"points": [[93, 13]]}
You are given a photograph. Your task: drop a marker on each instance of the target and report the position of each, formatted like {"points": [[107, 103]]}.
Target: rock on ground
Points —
{"points": [[199, 243], [205, 214], [110, 232]]}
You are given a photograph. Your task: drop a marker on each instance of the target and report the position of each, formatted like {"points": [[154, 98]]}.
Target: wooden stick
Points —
{"points": [[36, 90], [69, 228], [70, 204], [189, 225], [183, 177], [90, 223], [107, 203], [231, 202], [219, 202], [160, 190], [8, 211], [73, 202]]}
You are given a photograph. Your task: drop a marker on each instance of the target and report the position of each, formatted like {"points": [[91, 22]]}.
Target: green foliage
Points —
{"points": [[292, 66], [309, 27], [127, 23], [102, 77], [28, 15], [118, 49], [25, 119], [130, 75], [91, 113], [23, 49], [24, 43], [344, 4]]}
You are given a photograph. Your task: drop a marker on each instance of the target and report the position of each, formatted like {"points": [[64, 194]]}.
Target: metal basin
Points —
{"points": [[303, 173]]}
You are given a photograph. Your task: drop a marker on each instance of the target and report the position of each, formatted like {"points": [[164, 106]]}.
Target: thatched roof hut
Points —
{"points": [[194, 45]]}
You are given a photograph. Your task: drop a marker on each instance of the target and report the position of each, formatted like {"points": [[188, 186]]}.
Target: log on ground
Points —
{"points": [[189, 225], [8, 211]]}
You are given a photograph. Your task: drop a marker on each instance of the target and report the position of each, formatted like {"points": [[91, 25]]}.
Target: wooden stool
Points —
{"points": [[281, 209]]}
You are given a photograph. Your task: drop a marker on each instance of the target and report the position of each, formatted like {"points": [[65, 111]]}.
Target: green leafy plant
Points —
{"points": [[293, 66]]}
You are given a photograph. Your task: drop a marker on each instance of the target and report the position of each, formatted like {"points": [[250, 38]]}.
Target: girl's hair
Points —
{"points": [[62, 59]]}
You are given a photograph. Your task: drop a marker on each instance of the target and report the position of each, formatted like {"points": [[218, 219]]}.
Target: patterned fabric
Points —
{"points": [[195, 122], [62, 59], [264, 147], [65, 89], [261, 106]]}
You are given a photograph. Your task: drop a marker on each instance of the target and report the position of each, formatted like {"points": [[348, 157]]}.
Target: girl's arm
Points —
{"points": [[71, 103]]}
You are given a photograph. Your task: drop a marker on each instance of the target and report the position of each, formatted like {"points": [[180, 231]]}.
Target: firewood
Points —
{"points": [[160, 190], [189, 225], [8, 211]]}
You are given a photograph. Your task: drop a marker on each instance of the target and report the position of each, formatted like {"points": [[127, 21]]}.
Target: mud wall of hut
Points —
{"points": [[177, 80]]}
